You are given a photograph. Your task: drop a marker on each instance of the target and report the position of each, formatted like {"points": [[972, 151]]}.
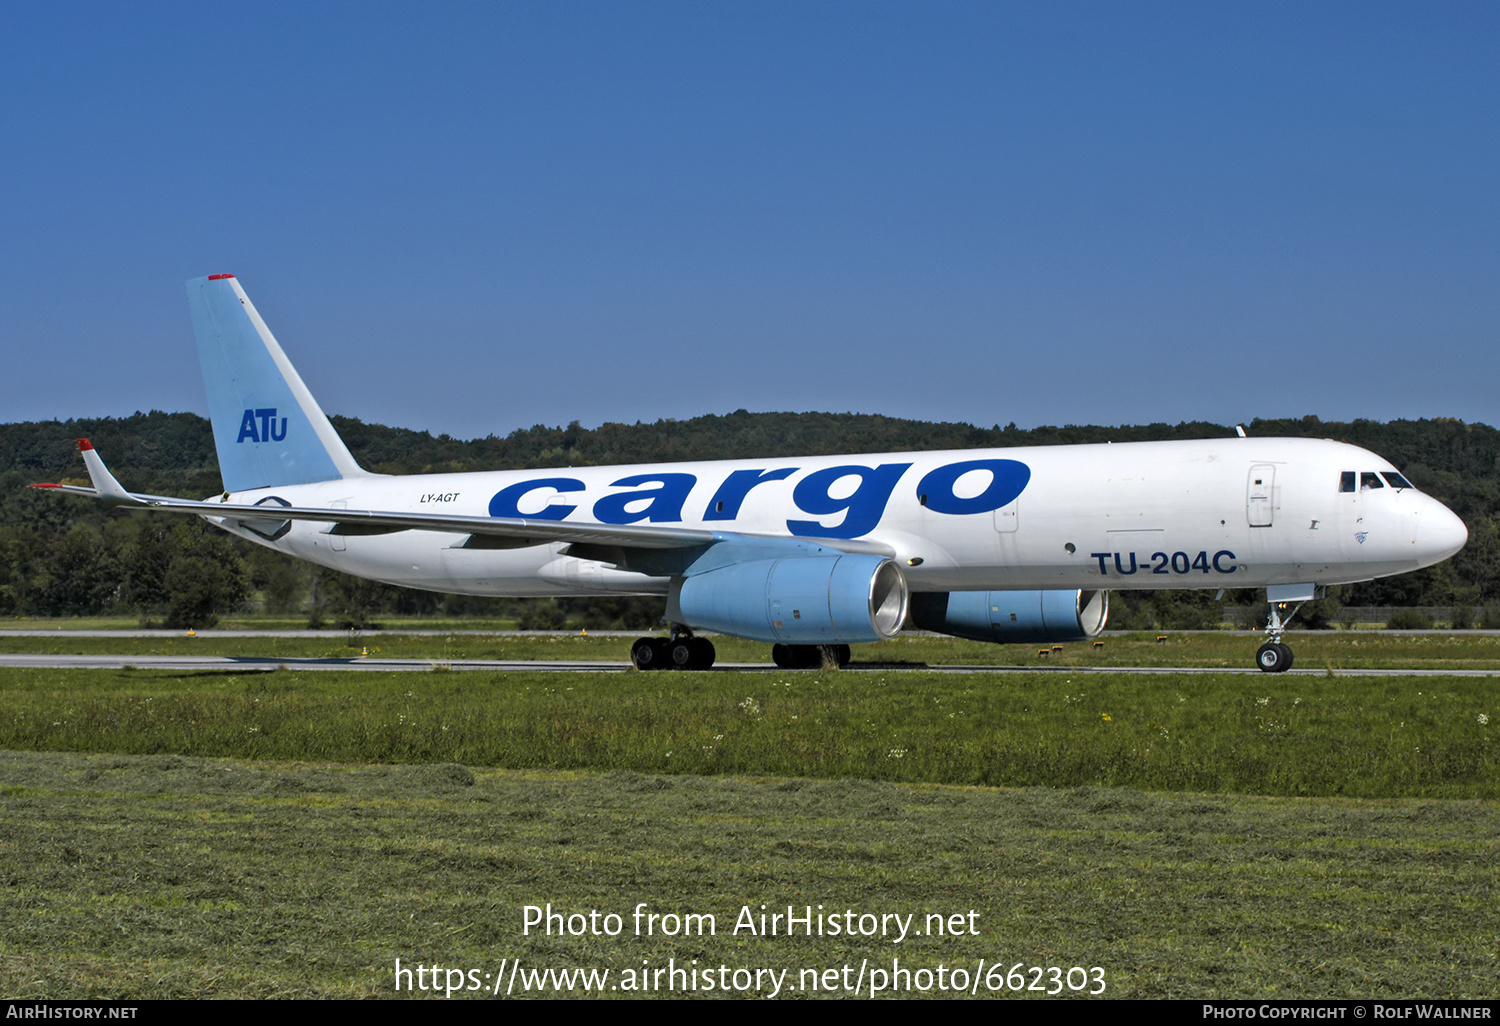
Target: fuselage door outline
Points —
{"points": [[1260, 495]]}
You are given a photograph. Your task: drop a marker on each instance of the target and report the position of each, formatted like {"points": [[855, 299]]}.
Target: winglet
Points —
{"points": [[104, 482]]}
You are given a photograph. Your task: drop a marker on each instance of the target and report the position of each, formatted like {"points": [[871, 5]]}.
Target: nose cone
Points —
{"points": [[1439, 534]]}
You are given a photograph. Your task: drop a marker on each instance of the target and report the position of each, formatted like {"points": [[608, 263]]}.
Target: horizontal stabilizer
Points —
{"points": [[105, 485]]}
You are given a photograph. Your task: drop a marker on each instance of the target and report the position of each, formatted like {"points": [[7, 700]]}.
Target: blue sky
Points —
{"points": [[469, 218]]}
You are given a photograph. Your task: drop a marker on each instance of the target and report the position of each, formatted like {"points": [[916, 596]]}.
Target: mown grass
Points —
{"points": [[1326, 650], [294, 833], [137, 877], [1379, 737]]}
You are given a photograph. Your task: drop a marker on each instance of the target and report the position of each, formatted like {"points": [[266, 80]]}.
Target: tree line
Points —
{"points": [[62, 556]]}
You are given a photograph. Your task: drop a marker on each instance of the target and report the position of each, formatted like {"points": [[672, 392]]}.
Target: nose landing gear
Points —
{"points": [[1286, 600]]}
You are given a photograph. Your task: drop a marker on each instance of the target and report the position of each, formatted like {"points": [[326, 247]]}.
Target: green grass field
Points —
{"points": [[168, 876], [294, 833], [1372, 737]]}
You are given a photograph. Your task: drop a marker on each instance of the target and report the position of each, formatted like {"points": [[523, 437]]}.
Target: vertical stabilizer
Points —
{"points": [[268, 429]]}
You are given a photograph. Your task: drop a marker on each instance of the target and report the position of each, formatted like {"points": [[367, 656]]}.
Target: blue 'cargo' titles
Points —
{"points": [[659, 497]]}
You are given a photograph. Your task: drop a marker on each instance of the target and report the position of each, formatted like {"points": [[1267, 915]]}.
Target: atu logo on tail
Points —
{"points": [[267, 432]]}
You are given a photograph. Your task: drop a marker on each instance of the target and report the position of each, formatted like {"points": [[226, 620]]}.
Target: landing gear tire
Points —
{"points": [[703, 654], [691, 654], [649, 654], [1274, 657]]}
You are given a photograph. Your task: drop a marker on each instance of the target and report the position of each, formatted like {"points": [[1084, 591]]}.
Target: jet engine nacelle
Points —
{"points": [[1012, 616], [799, 600]]}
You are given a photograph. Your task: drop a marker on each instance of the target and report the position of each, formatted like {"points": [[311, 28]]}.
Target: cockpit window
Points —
{"points": [[1346, 481], [1369, 479], [1394, 479]]}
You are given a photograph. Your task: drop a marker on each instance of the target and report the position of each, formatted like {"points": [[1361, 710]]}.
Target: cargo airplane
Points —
{"points": [[814, 554]]}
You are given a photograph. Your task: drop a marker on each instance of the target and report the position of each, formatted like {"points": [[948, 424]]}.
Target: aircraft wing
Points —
{"points": [[507, 532]]}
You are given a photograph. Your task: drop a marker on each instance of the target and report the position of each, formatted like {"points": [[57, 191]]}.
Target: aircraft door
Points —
{"points": [[1005, 518], [1260, 495]]}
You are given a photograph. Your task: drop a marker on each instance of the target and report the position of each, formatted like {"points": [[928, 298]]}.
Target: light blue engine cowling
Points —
{"points": [[1012, 616], [799, 600]]}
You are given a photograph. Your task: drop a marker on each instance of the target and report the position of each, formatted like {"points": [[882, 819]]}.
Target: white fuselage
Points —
{"points": [[1221, 513]]}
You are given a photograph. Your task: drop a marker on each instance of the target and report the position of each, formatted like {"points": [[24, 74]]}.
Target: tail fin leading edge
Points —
{"points": [[268, 429]]}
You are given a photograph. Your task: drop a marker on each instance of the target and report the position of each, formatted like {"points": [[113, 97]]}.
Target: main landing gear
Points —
{"points": [[809, 657], [1273, 656], [681, 651]]}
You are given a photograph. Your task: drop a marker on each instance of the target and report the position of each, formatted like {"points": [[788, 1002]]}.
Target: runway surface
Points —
{"points": [[257, 664]]}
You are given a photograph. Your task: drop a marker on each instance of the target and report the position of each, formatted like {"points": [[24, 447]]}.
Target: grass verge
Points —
{"points": [[165, 835], [165, 876], [1375, 737]]}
